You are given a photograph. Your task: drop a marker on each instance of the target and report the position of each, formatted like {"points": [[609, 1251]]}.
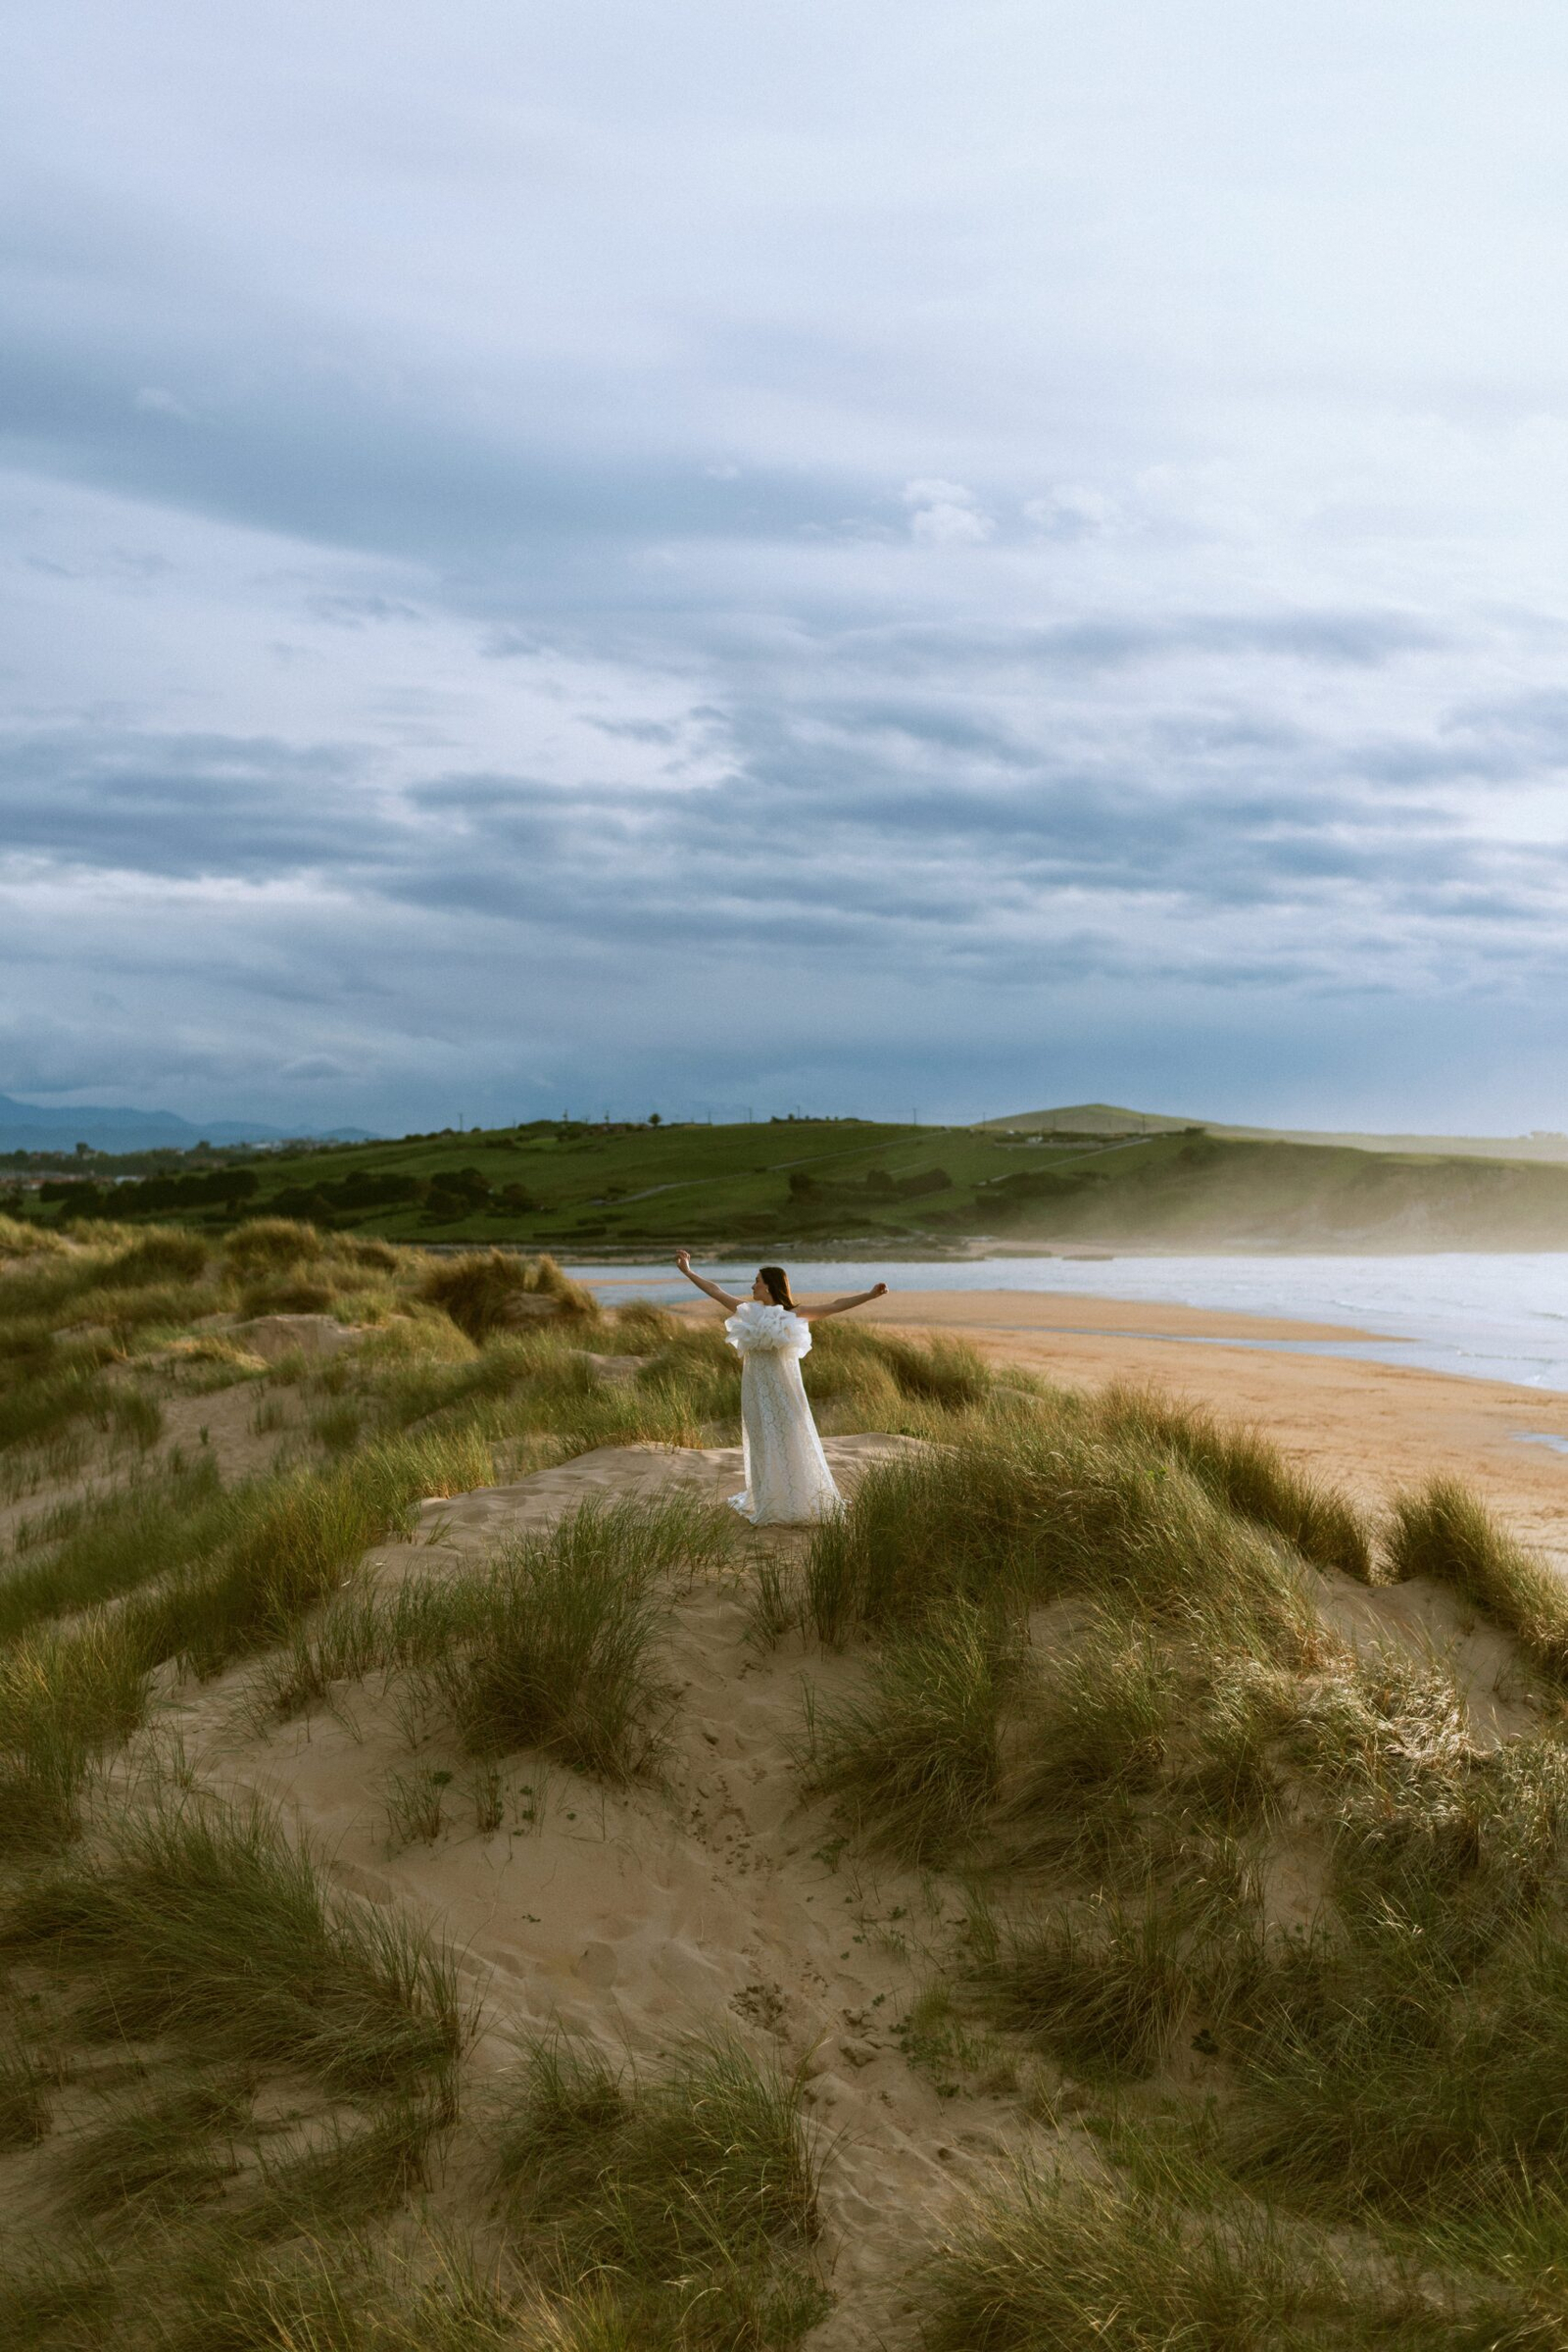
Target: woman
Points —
{"points": [[787, 1476]]}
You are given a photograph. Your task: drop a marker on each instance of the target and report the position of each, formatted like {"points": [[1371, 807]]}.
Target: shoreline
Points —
{"points": [[984, 1248]]}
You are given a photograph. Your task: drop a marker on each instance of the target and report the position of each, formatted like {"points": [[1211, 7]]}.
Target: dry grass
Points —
{"points": [[484, 1290]]}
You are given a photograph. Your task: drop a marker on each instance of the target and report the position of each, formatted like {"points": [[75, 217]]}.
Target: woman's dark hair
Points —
{"points": [[778, 1285]]}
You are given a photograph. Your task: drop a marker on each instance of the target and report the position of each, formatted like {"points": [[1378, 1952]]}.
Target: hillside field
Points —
{"points": [[846, 1184]]}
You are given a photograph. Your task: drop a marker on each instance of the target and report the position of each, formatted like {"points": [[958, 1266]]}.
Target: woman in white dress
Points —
{"points": [[787, 1476]]}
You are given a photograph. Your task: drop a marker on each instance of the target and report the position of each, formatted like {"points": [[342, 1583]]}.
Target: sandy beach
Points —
{"points": [[1369, 1427]]}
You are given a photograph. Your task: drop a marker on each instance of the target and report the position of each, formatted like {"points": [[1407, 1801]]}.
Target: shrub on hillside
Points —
{"points": [[487, 1291], [263, 1244], [159, 1258]]}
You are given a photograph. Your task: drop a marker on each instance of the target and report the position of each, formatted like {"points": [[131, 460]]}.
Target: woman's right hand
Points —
{"points": [[683, 1259]]}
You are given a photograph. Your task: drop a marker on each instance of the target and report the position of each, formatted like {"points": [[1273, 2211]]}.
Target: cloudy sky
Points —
{"points": [[612, 553]]}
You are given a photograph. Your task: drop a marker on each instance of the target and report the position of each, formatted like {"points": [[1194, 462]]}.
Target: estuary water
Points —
{"points": [[1501, 1316]]}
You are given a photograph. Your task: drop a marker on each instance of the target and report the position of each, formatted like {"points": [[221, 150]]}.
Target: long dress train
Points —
{"points": [[787, 1476]]}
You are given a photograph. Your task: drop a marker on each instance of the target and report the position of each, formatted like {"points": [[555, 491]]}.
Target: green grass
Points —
{"points": [[109, 1544], [201, 1919], [561, 1185], [685, 2200], [1444, 1531]]}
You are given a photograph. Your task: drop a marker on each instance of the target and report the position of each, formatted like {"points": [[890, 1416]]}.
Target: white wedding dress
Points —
{"points": [[787, 1476]]}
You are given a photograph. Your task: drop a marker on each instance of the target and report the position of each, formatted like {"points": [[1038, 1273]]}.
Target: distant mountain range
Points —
{"points": [[30, 1127], [1112, 1118]]}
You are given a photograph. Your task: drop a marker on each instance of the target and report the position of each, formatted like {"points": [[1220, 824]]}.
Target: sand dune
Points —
{"points": [[715, 1895], [637, 1917]]}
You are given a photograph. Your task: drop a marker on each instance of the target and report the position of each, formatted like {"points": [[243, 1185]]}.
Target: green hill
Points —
{"points": [[1114, 1118], [850, 1185]]}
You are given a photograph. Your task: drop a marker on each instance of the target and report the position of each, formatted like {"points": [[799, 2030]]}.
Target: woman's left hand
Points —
{"points": [[879, 1290]]}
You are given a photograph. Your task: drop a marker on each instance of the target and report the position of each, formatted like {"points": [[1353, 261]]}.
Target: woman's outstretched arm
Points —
{"points": [[683, 1259], [842, 1306]]}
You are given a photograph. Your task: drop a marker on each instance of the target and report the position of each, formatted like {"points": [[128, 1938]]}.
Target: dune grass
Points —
{"points": [[155, 2152], [1124, 1717], [215, 2289], [558, 1649], [684, 2202], [28, 2071], [1244, 1473], [37, 1407], [1105, 1996], [1022, 1516], [1119, 1774], [847, 1356], [915, 1763], [110, 1543], [289, 1542], [65, 1700], [361, 2171], [549, 1644], [484, 1290], [200, 1919], [248, 1565], [1444, 1532], [268, 1244], [1037, 2263], [1394, 2085]]}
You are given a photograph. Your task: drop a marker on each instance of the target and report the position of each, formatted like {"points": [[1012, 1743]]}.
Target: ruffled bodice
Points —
{"points": [[758, 1328]]}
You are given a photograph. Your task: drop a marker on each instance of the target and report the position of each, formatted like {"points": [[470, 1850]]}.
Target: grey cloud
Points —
{"points": [[177, 804], [614, 381]]}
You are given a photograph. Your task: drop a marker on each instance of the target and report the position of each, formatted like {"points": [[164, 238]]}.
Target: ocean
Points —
{"points": [[1486, 1317]]}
